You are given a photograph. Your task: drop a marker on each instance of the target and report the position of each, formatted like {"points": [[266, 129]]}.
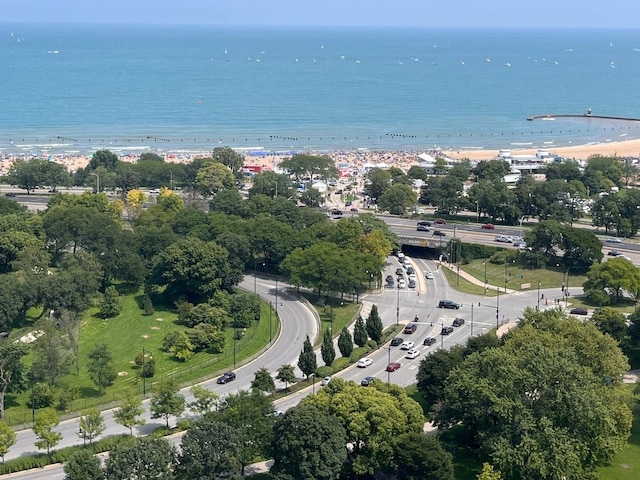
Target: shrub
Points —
{"points": [[597, 297], [42, 395], [324, 371]]}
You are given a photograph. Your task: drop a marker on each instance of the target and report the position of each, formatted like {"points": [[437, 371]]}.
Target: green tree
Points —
{"points": [[111, 305], [345, 343], [104, 158], [308, 443], [370, 416], [129, 412], [379, 182], [167, 401], [45, 421], [7, 439], [205, 336], [101, 369], [209, 450], [374, 325], [214, 178], [614, 279], [141, 459], [53, 355], [302, 165], [425, 460], [11, 367], [307, 358], [610, 322], [488, 473], [82, 465], [205, 400], [286, 374], [263, 381], [397, 199], [435, 369], [543, 389], [91, 425], [228, 157], [327, 350], [360, 332]]}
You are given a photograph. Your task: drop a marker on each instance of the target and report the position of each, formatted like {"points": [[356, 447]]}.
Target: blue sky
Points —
{"points": [[460, 13]]}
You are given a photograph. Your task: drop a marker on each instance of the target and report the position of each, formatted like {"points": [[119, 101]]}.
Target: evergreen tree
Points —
{"points": [[111, 305], [327, 349], [345, 343], [360, 333], [307, 358], [374, 325], [149, 309]]}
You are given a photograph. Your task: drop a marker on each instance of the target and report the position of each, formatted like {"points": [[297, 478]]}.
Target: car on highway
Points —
{"points": [[411, 354], [446, 330], [395, 341], [439, 233], [448, 304], [613, 240], [364, 362], [408, 345], [440, 221], [325, 381], [393, 366], [410, 328], [458, 322], [429, 275], [366, 381], [226, 377], [423, 226], [614, 253], [503, 239], [488, 226], [429, 341], [579, 311], [10, 194]]}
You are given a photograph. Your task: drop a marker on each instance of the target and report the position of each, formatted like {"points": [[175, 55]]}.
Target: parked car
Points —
{"points": [[226, 377], [390, 279], [448, 304], [366, 381], [393, 366], [401, 255], [429, 275], [399, 271], [401, 283], [395, 341], [488, 226], [411, 354], [410, 328], [446, 330], [408, 345], [410, 270], [412, 283], [458, 322], [364, 362], [439, 233], [429, 341], [579, 311], [325, 381]]}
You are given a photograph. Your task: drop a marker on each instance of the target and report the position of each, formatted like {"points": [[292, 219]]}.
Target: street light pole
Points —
{"points": [[270, 307], [398, 305], [471, 334], [331, 318], [485, 275], [442, 338], [255, 276], [97, 175], [235, 334], [538, 307], [276, 295], [389, 363], [144, 377], [497, 308]]}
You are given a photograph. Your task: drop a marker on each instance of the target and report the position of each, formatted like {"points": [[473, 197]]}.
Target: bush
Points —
{"points": [[472, 251], [66, 395], [42, 395], [533, 259], [324, 371], [597, 297], [357, 354]]}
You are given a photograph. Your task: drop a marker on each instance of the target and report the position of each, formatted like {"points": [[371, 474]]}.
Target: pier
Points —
{"points": [[584, 115]]}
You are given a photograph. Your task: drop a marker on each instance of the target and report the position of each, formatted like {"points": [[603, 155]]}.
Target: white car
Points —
{"points": [[429, 275], [613, 240], [401, 283], [400, 255], [503, 239], [411, 354], [325, 381], [364, 362], [412, 276], [407, 345]]}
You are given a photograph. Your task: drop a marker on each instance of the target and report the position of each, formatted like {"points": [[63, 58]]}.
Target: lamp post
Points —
{"points": [[538, 307], [388, 363], [255, 276], [235, 335], [506, 274], [485, 275], [144, 377], [83, 436], [313, 383], [97, 175], [497, 308], [471, 334], [442, 338], [398, 305], [331, 317], [276, 295], [270, 307], [477, 212]]}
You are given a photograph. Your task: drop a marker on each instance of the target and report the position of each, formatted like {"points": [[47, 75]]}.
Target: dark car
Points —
{"points": [[226, 377], [366, 381], [399, 271], [412, 284], [614, 253], [9, 194], [393, 366], [429, 341], [448, 304], [439, 233], [458, 322], [579, 311], [410, 270], [389, 278], [446, 330], [410, 328], [395, 341]]}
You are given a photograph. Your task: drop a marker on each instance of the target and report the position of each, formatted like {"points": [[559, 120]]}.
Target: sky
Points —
{"points": [[410, 13]]}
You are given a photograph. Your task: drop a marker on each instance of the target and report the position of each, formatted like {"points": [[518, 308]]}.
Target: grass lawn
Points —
{"points": [[626, 464], [343, 313], [126, 336], [459, 283]]}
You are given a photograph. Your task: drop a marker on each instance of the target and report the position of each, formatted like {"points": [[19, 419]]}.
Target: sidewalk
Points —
{"points": [[470, 278]]}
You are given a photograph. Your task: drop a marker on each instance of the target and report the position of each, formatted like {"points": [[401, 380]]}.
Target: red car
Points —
{"points": [[440, 221], [488, 226], [393, 366]]}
